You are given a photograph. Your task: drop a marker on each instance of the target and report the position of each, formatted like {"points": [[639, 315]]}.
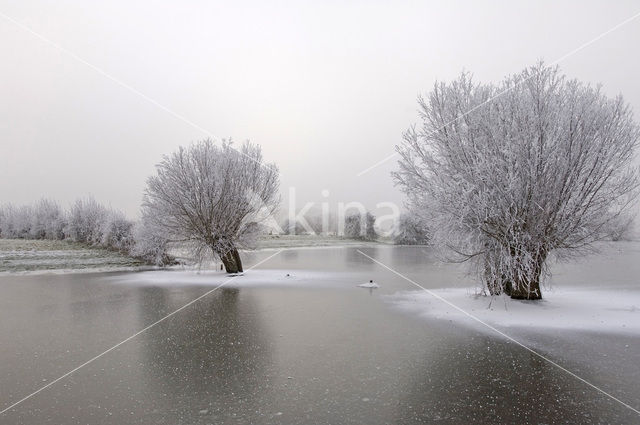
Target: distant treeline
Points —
{"points": [[86, 221]]}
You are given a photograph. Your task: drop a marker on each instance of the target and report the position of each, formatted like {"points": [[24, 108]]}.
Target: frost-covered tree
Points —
{"points": [[411, 229], [542, 163], [370, 229], [360, 226], [352, 226], [212, 198]]}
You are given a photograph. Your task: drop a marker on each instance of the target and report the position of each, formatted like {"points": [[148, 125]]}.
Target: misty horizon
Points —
{"points": [[326, 90]]}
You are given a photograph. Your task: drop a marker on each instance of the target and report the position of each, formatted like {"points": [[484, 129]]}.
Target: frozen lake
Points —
{"points": [[313, 347]]}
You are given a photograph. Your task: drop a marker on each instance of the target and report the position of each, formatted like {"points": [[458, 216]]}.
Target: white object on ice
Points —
{"points": [[370, 284]]}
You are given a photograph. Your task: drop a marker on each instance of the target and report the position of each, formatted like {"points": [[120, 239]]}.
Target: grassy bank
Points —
{"points": [[19, 255], [29, 256], [301, 241]]}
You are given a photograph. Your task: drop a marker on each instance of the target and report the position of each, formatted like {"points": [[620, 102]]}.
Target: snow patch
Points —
{"points": [[567, 308], [250, 278]]}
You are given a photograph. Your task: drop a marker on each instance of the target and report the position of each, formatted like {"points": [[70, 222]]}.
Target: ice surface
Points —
{"points": [[610, 310]]}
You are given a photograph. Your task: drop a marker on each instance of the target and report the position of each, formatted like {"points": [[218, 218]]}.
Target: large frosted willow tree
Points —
{"points": [[510, 172], [212, 198]]}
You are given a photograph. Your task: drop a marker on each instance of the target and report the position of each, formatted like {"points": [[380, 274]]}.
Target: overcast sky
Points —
{"points": [[327, 88]]}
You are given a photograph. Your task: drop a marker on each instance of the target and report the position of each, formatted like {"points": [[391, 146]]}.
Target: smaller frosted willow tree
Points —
{"points": [[212, 198], [510, 172]]}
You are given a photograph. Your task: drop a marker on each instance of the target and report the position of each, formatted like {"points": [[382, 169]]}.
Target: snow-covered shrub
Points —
{"points": [[16, 222], [117, 231], [150, 244], [6, 224], [89, 222], [92, 223], [85, 220], [411, 230], [43, 220], [47, 220]]}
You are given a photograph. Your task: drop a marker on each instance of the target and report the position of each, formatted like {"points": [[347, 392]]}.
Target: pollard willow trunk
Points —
{"points": [[232, 262], [526, 286]]}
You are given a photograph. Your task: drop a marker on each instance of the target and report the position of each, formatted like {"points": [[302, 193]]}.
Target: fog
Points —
{"points": [[94, 96]]}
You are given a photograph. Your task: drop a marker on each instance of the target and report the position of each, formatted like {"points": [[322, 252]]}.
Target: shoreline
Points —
{"points": [[300, 242], [68, 250]]}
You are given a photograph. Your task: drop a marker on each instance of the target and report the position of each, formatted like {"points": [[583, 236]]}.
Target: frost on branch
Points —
{"points": [[541, 164], [212, 199]]}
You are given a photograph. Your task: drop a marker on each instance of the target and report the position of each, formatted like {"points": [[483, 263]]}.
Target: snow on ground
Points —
{"points": [[567, 308], [251, 278]]}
